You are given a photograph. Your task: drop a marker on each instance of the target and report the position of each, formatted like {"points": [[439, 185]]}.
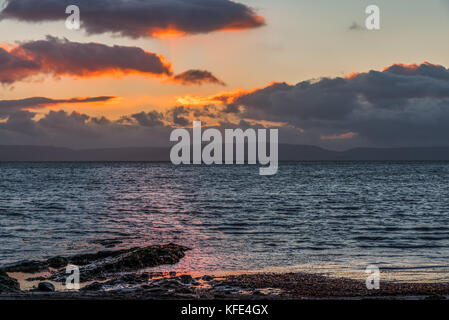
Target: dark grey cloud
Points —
{"points": [[61, 56], [100, 120], [21, 124], [149, 119], [403, 105], [140, 18], [179, 116], [42, 102], [8, 107], [196, 77], [76, 130], [425, 69]]}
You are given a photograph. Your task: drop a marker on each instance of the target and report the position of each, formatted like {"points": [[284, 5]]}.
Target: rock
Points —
{"points": [[128, 279], [186, 279], [114, 282], [36, 278], [167, 284], [135, 278], [155, 274], [8, 284], [86, 259], [207, 278], [45, 287], [27, 266], [185, 290], [95, 286], [225, 288], [57, 262], [155, 290], [151, 256], [60, 262], [134, 260], [99, 266], [435, 297]]}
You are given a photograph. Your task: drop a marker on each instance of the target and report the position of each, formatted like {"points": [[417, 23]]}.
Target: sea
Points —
{"points": [[333, 218]]}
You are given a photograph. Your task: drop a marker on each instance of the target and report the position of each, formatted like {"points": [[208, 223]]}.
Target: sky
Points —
{"points": [[137, 69]]}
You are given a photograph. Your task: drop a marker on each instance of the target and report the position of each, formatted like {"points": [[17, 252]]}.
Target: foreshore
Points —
{"points": [[121, 274]]}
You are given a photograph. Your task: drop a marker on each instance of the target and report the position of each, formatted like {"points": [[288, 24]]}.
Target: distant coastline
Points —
{"points": [[287, 152]]}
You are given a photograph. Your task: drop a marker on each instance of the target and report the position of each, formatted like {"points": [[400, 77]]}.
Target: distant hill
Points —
{"points": [[299, 152], [286, 153], [46, 153]]}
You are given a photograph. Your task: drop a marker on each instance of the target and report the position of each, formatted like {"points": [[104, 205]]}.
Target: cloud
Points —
{"points": [[196, 77], [400, 106], [76, 130], [61, 57], [11, 106], [426, 69], [347, 135], [178, 115], [14, 67], [149, 119], [41, 102], [403, 105], [218, 99], [141, 18]]}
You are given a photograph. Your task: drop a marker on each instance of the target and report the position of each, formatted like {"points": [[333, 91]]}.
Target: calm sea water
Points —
{"points": [[312, 213]]}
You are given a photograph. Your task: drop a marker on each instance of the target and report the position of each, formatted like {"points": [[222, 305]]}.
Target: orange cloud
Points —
{"points": [[61, 57], [164, 33], [222, 98], [352, 75], [343, 136], [217, 99], [173, 31]]}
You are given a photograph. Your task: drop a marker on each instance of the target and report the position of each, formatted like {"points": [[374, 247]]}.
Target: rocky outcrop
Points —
{"points": [[101, 266], [132, 260], [8, 284], [60, 262], [96, 264], [146, 257]]}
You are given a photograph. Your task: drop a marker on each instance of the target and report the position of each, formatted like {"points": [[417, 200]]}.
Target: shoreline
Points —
{"points": [[123, 274], [257, 286]]}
